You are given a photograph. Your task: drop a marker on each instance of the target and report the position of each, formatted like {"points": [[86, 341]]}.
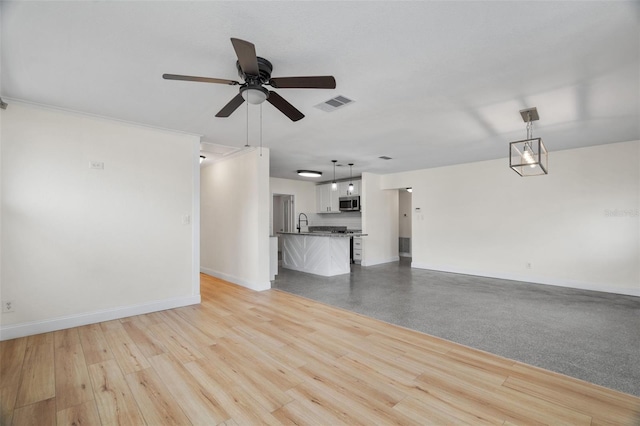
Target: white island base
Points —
{"points": [[323, 254]]}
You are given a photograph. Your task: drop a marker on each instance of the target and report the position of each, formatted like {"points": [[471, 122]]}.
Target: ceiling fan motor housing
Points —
{"points": [[264, 68]]}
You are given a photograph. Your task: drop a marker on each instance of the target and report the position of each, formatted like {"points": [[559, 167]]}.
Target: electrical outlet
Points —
{"points": [[97, 165], [7, 306]]}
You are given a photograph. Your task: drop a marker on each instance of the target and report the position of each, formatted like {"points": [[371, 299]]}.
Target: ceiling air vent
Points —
{"points": [[334, 103]]}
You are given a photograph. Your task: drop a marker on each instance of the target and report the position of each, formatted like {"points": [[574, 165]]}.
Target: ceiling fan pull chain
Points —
{"points": [[247, 144]]}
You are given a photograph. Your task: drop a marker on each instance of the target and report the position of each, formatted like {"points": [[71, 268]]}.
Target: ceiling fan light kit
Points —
{"points": [[256, 72], [529, 157], [254, 95]]}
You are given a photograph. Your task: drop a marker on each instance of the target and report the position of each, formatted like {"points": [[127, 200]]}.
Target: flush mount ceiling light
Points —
{"points": [[529, 157], [202, 157], [309, 173], [409, 189], [334, 184]]}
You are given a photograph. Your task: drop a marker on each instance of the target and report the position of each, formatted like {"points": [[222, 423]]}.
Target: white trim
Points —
{"points": [[101, 117], [236, 153], [195, 222], [13, 331], [526, 279], [257, 286], [379, 261]]}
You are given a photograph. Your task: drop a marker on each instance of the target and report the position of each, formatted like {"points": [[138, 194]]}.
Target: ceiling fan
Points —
{"points": [[256, 72]]}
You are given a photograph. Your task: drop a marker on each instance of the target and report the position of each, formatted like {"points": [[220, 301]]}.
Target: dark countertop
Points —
{"points": [[325, 234]]}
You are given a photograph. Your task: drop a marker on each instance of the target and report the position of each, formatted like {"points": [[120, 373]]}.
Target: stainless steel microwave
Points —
{"points": [[350, 204]]}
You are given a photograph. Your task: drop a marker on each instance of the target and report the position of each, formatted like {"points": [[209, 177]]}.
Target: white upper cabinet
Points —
{"points": [[327, 199], [343, 188]]}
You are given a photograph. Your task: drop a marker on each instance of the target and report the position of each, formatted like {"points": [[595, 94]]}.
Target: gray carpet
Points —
{"points": [[589, 335]]}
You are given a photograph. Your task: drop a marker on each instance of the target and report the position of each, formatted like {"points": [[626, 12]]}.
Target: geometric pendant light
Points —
{"points": [[529, 157]]}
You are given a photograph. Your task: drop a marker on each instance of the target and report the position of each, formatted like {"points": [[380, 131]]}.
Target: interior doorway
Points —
{"points": [[283, 217], [404, 223]]}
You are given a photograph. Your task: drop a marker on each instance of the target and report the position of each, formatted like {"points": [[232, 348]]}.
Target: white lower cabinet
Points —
{"points": [[357, 249], [320, 255]]}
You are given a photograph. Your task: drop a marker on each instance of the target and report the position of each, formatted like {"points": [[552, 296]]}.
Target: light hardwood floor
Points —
{"points": [[243, 357]]}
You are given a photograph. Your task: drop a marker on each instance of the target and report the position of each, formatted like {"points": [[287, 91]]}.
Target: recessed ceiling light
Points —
{"points": [[309, 173]]}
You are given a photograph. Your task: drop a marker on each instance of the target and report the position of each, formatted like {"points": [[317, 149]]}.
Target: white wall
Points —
{"points": [[1, 297], [577, 226], [235, 219], [81, 245], [304, 200], [379, 221]]}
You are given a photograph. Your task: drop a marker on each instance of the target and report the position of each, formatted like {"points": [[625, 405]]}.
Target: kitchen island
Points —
{"points": [[320, 253]]}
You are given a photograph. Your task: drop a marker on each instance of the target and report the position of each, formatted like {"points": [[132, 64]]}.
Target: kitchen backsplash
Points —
{"points": [[352, 220]]}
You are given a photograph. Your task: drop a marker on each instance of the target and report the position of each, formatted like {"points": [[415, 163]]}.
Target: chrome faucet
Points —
{"points": [[306, 221]]}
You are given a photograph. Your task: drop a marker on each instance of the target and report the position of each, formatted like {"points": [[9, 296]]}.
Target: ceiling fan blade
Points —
{"points": [[316, 82], [246, 53], [285, 107], [233, 105], [199, 79]]}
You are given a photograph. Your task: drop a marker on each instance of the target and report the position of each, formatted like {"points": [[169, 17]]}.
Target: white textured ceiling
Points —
{"points": [[435, 83]]}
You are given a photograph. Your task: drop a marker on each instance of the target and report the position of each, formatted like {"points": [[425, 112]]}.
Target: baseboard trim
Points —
{"points": [[257, 286], [380, 261], [530, 279], [14, 331]]}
